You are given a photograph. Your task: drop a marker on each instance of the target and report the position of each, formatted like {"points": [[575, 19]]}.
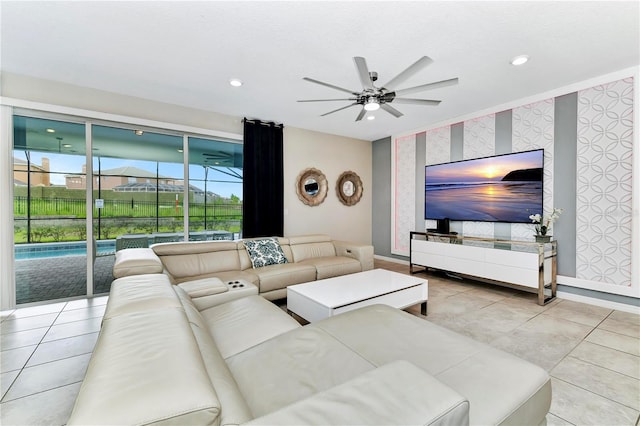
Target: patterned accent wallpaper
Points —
{"points": [[604, 183], [479, 141], [403, 192], [438, 145], [438, 151], [532, 127]]}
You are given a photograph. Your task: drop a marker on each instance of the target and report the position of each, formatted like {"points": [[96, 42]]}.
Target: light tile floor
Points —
{"points": [[592, 353]]}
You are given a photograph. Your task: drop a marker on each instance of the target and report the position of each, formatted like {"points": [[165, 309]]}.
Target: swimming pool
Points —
{"points": [[75, 248]]}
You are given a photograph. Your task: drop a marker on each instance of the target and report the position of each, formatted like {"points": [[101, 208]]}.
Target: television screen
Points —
{"points": [[502, 188]]}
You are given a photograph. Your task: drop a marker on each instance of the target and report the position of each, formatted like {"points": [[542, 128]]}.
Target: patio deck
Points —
{"points": [[60, 277]]}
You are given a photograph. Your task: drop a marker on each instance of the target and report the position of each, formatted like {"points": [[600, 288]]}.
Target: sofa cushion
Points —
{"points": [[235, 410], [140, 293], [146, 368], [204, 287], [264, 252], [185, 266], [300, 363], [310, 246], [192, 247], [333, 266], [242, 323], [275, 277], [481, 373], [136, 261], [397, 393]]}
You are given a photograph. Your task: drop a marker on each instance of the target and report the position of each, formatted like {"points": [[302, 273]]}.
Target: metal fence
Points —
{"points": [[122, 208], [63, 219]]}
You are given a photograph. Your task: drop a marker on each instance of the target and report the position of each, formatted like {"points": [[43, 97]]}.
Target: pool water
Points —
{"points": [[45, 250]]}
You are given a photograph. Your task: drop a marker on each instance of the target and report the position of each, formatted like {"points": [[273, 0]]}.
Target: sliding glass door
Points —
{"points": [[138, 189], [49, 208], [215, 182], [134, 180]]}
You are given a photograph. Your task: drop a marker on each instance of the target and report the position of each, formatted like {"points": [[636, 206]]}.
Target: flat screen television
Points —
{"points": [[501, 188]]}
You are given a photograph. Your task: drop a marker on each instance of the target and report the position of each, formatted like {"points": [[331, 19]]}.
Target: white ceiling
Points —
{"points": [[185, 52]]}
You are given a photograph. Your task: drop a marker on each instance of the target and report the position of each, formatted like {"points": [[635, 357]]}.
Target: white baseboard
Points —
{"points": [[599, 302], [391, 259], [629, 291]]}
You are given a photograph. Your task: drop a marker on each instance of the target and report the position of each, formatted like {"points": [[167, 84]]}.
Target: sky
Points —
{"points": [[483, 169], [63, 164]]}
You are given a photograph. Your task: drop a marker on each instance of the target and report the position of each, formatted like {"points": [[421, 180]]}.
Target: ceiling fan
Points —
{"points": [[373, 97]]}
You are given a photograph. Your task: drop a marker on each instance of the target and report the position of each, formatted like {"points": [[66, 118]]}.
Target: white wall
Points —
{"points": [[332, 155], [66, 95]]}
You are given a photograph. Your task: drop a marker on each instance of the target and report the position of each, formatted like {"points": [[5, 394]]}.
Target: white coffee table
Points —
{"points": [[324, 298]]}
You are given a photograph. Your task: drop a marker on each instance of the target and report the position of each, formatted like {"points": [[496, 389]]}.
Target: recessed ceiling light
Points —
{"points": [[235, 82], [51, 131], [180, 150], [371, 117], [519, 60], [66, 145], [138, 132]]}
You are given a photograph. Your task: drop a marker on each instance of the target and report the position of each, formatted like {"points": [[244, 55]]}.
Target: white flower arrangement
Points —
{"points": [[543, 223]]}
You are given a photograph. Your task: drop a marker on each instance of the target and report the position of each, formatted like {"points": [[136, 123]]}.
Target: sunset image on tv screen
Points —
{"points": [[504, 188]]}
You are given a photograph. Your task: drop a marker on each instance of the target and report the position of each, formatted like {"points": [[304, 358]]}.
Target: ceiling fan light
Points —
{"points": [[371, 117], [371, 105]]}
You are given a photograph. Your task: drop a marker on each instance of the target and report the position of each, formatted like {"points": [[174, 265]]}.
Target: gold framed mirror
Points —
{"points": [[311, 186], [349, 188]]}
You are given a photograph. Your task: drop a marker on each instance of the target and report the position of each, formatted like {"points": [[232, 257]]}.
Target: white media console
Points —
{"points": [[524, 264]]}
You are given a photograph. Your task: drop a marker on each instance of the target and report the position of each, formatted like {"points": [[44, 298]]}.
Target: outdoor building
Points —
{"points": [[39, 173], [111, 178]]}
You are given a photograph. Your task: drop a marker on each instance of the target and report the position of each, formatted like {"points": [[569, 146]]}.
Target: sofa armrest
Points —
{"points": [[396, 393], [361, 252], [136, 261]]}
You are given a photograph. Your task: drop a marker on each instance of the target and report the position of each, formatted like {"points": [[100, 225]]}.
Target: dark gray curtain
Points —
{"points": [[263, 180]]}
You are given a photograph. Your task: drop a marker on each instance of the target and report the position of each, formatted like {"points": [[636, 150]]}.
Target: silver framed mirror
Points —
{"points": [[311, 186], [349, 188]]}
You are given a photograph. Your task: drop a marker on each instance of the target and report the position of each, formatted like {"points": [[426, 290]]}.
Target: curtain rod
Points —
{"points": [[264, 123]]}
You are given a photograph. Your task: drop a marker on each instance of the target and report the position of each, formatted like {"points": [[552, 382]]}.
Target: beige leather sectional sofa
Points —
{"points": [[161, 359], [310, 257]]}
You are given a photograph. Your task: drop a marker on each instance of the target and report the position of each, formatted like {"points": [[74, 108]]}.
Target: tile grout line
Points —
{"points": [[34, 351], [600, 366], [39, 392], [597, 394]]}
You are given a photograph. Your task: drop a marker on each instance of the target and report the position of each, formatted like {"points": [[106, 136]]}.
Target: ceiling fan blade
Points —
{"points": [[416, 101], [339, 109], [328, 100], [342, 89], [391, 110], [361, 115], [363, 72], [429, 86], [419, 65]]}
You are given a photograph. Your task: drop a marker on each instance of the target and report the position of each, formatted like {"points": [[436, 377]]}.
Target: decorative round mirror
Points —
{"points": [[349, 188], [311, 186]]}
